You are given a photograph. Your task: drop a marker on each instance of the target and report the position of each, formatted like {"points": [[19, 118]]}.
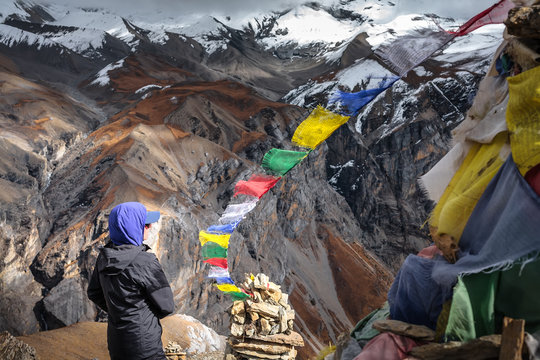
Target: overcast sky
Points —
{"points": [[454, 8]]}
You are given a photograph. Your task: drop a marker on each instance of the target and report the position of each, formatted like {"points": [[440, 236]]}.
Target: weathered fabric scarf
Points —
{"points": [[502, 229]]}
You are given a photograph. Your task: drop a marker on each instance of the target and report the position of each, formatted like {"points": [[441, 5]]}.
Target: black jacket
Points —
{"points": [[128, 282]]}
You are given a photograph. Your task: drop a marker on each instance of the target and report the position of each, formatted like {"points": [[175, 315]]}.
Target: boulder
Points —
{"points": [[524, 22], [13, 349]]}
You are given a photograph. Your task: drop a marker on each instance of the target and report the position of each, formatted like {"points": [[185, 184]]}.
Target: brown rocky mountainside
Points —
{"points": [[180, 150]]}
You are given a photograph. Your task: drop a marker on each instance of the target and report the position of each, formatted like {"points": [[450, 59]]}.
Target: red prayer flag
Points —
{"points": [[495, 14], [221, 262], [257, 185]]}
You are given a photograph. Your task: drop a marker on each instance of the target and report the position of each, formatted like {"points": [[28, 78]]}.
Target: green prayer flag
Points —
{"points": [[213, 250], [279, 161], [481, 301], [472, 311], [363, 332], [237, 295]]}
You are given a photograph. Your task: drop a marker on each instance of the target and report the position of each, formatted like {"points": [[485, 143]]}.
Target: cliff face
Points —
{"points": [[376, 162]]}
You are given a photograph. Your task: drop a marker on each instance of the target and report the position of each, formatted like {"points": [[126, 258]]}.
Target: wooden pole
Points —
{"points": [[512, 339]]}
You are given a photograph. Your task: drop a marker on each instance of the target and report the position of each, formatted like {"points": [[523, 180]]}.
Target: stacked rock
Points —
{"points": [[262, 327]]}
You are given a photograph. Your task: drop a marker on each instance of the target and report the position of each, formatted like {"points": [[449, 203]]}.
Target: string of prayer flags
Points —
{"points": [[279, 161], [256, 186], [222, 240], [401, 56], [234, 213], [351, 103], [318, 126], [495, 14]]}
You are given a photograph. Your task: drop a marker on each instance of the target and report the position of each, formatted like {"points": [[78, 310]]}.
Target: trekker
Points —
{"points": [[129, 284]]}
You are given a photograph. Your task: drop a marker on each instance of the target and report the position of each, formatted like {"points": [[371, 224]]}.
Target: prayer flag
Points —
{"points": [[495, 14], [224, 280], [217, 262], [408, 51], [352, 103], [218, 272], [281, 161], [234, 213], [223, 229], [523, 118], [222, 240], [228, 287], [237, 295], [318, 126], [257, 185], [452, 212], [213, 250]]}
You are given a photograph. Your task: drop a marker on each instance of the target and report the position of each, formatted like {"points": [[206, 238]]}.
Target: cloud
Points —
{"points": [[459, 9]]}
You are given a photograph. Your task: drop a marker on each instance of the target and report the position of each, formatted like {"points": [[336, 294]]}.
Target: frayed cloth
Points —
{"points": [[502, 229], [407, 52], [414, 296], [523, 118], [495, 14]]}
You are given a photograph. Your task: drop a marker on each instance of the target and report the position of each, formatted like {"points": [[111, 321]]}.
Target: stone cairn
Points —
{"points": [[262, 326]]}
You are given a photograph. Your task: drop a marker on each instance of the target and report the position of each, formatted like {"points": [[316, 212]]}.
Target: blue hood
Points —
{"points": [[126, 223]]}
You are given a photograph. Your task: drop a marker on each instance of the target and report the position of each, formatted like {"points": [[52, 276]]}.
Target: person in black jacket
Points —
{"points": [[129, 284]]}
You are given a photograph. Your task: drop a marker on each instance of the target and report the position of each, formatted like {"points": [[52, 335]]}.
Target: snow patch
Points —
{"points": [[102, 77], [148, 87], [11, 36]]}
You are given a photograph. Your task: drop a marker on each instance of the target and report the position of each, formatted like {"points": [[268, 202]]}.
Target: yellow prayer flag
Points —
{"points": [[318, 126], [222, 240], [228, 287], [463, 192], [523, 118]]}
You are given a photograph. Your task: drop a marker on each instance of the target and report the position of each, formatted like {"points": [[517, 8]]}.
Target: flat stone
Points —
{"points": [[293, 338], [265, 309], [262, 346], [258, 354], [418, 332], [483, 348]]}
